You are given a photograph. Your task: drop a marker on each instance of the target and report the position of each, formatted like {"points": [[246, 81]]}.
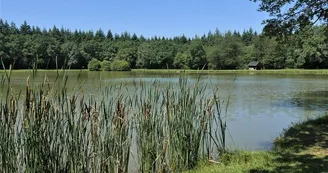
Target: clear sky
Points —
{"points": [[147, 17]]}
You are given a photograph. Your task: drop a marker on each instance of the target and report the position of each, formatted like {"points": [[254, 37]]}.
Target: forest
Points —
{"points": [[27, 47]]}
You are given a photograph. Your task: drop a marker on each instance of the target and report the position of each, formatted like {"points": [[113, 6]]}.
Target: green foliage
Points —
{"points": [[74, 57], [231, 51], [26, 45], [120, 65], [290, 15], [214, 58], [197, 56], [109, 35], [269, 52], [94, 65], [314, 48], [181, 60], [227, 55], [248, 56], [241, 161], [128, 55], [105, 65], [158, 54], [100, 35], [145, 54], [25, 29], [90, 49]]}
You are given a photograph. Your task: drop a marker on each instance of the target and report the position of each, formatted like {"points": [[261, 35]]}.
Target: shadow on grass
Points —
{"points": [[302, 148], [291, 162]]}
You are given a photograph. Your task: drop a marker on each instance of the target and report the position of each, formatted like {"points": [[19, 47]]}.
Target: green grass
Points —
{"points": [[241, 161], [44, 70], [282, 71], [302, 148], [274, 71]]}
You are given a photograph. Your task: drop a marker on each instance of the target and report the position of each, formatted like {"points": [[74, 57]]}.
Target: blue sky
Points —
{"points": [[147, 17]]}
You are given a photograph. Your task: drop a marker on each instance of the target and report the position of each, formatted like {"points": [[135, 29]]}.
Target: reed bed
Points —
{"points": [[50, 127]]}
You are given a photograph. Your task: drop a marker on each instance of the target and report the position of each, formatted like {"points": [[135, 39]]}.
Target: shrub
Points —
{"points": [[105, 65], [120, 65], [94, 65]]}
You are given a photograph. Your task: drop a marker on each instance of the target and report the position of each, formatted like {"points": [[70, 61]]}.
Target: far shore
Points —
{"points": [[270, 71]]}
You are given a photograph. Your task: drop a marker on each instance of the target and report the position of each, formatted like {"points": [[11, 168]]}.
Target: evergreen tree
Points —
{"points": [[100, 35], [25, 28], [109, 35]]}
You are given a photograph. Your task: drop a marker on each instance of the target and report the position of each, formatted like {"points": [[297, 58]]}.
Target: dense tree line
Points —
{"points": [[29, 46]]}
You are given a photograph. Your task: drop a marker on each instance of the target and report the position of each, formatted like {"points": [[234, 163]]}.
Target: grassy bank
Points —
{"points": [[282, 71], [177, 71], [45, 70], [301, 148]]}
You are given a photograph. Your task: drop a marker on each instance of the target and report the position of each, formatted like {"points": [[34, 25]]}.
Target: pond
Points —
{"points": [[261, 105]]}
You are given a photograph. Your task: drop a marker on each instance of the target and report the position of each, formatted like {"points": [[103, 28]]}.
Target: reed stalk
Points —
{"points": [[51, 127]]}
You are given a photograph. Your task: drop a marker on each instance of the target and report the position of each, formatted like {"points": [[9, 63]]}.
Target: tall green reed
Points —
{"points": [[175, 124], [58, 128], [54, 131]]}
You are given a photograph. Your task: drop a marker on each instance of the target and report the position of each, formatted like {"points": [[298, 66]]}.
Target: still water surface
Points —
{"points": [[261, 105]]}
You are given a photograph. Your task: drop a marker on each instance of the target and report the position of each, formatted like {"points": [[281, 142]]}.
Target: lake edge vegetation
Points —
{"points": [[53, 127], [300, 148], [106, 68]]}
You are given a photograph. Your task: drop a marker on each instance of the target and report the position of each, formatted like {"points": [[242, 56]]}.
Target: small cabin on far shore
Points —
{"points": [[254, 65]]}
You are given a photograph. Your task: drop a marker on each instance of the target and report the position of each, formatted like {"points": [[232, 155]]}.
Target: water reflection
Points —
{"points": [[309, 101], [312, 100]]}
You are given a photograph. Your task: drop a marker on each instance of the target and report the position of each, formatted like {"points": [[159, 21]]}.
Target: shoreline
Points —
{"points": [[303, 147], [280, 71], [177, 71]]}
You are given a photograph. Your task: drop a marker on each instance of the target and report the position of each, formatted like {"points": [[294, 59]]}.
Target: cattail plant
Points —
{"points": [[171, 125], [53, 131], [51, 127]]}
